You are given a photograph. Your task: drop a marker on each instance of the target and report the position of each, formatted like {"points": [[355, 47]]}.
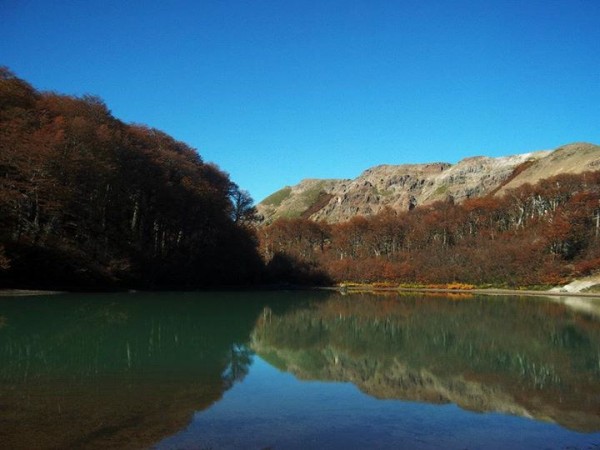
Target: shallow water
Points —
{"points": [[297, 370]]}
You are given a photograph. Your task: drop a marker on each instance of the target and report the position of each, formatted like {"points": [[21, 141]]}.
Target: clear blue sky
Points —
{"points": [[274, 91]]}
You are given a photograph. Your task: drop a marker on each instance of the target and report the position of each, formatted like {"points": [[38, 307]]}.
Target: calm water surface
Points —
{"points": [[303, 370]]}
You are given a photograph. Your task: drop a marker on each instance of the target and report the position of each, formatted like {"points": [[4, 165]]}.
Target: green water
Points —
{"points": [[298, 370]]}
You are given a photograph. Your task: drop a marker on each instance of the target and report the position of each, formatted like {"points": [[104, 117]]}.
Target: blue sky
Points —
{"points": [[275, 91]]}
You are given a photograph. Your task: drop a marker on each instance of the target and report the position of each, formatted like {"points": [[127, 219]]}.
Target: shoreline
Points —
{"points": [[367, 288], [27, 292], [491, 291]]}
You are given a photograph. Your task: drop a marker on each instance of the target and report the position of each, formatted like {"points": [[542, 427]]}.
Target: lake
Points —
{"points": [[299, 369]]}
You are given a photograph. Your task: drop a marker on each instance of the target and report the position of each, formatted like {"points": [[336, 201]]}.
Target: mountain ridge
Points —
{"points": [[405, 186]]}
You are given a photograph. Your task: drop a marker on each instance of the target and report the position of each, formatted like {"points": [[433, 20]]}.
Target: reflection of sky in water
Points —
{"points": [[273, 409]]}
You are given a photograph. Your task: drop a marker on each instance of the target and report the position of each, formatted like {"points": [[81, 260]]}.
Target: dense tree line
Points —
{"points": [[540, 234], [88, 201]]}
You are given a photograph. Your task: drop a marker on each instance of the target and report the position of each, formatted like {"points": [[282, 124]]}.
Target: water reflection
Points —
{"points": [[118, 370], [274, 410], [127, 370], [528, 357]]}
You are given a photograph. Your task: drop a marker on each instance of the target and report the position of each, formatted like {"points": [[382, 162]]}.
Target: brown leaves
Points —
{"points": [[531, 236], [89, 189]]}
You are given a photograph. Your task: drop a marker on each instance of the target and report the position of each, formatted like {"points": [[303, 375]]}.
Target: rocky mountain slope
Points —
{"points": [[403, 187]]}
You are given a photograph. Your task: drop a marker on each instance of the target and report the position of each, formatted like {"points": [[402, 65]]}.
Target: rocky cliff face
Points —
{"points": [[402, 187]]}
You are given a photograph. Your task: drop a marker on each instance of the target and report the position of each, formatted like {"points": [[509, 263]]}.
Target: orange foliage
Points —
{"points": [[88, 201], [540, 234]]}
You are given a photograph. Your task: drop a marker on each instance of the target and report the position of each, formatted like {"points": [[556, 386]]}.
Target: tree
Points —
{"points": [[4, 261], [243, 211]]}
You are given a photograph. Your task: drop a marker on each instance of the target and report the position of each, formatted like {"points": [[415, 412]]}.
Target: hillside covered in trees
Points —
{"points": [[88, 201], [536, 234]]}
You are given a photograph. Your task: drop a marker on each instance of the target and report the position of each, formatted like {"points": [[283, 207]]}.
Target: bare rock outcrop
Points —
{"points": [[402, 187]]}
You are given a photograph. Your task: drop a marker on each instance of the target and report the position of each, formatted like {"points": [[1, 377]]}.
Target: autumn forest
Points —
{"points": [[89, 202], [535, 235]]}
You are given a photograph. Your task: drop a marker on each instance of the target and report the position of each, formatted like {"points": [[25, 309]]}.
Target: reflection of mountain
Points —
{"points": [[116, 371], [521, 356]]}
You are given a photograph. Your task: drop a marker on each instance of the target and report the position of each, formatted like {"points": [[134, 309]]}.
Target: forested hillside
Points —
{"points": [[541, 234], [88, 201]]}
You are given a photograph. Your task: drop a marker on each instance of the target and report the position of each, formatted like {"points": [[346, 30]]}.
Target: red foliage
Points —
{"points": [[81, 192], [538, 234]]}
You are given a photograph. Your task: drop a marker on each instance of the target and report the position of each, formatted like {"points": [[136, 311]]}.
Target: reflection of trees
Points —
{"points": [[239, 364], [116, 371], [527, 357]]}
